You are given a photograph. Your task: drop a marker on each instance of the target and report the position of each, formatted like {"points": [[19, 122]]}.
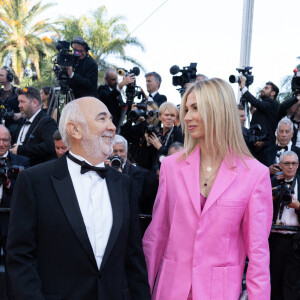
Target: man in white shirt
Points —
{"points": [[74, 233], [284, 260]]}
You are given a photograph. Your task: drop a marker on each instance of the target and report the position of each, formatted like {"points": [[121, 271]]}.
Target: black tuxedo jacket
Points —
{"points": [[113, 100], [269, 155], [12, 159], [265, 115], [159, 99], [38, 144], [276, 207], [49, 255]]}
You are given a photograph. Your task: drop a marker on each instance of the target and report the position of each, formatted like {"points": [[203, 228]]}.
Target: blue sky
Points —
{"points": [[206, 32]]}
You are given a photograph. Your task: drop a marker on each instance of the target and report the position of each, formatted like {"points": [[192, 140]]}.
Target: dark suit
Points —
{"points": [[159, 99], [48, 249], [269, 155], [284, 264], [11, 160], [265, 114], [85, 78], [38, 144], [113, 100]]}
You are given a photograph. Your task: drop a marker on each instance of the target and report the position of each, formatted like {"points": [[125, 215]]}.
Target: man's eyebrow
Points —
{"points": [[103, 114]]}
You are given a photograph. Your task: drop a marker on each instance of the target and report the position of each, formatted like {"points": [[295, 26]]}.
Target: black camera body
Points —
{"points": [[153, 129], [142, 111], [7, 173], [6, 113], [256, 135], [130, 88], [189, 74], [295, 85], [116, 161], [282, 193], [246, 71], [64, 58]]}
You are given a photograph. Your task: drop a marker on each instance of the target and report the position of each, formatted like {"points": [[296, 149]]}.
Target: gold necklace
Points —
{"points": [[206, 179]]}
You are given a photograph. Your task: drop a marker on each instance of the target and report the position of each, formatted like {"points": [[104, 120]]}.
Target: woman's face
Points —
{"points": [[168, 118], [44, 97], [192, 119]]}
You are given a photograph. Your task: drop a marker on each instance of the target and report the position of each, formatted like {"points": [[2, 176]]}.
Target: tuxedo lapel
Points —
{"points": [[114, 189], [223, 180], [35, 122], [64, 188], [191, 178]]}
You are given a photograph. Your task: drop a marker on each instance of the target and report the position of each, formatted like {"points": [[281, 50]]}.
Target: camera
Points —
{"points": [[64, 58], [130, 88], [116, 161], [142, 111], [188, 74], [296, 82], [282, 193], [256, 135], [6, 113], [7, 173], [246, 73], [153, 129]]}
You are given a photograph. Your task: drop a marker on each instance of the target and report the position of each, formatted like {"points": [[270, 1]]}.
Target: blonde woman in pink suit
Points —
{"points": [[213, 207]]}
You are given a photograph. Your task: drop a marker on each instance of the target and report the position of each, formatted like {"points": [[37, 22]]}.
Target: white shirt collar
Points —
{"points": [[32, 118]]}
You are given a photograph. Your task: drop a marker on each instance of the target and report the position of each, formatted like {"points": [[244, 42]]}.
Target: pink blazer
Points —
{"points": [[186, 247]]}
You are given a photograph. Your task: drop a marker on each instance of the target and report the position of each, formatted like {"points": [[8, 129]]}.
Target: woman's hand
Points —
{"points": [[155, 141]]}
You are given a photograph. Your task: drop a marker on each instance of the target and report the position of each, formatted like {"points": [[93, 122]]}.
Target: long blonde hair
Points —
{"points": [[217, 107]]}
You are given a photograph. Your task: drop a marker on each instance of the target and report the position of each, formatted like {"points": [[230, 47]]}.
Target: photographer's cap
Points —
{"points": [[81, 41]]}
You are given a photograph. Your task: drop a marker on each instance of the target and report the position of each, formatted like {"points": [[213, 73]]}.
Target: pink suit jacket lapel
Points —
{"points": [[190, 172]]}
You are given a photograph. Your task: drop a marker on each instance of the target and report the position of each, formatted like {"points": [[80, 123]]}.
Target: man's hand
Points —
{"points": [[127, 80], [259, 144], [69, 71], [242, 82], [14, 149], [274, 169], [294, 204], [144, 94]]}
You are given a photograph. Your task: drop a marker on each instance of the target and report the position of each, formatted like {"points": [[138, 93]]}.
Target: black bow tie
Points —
{"points": [[289, 182], [85, 167], [150, 96], [27, 122], [280, 148]]}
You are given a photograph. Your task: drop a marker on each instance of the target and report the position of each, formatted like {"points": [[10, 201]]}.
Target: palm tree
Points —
{"points": [[107, 38], [21, 36]]}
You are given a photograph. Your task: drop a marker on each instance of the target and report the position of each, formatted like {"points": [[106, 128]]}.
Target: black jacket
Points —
{"points": [[269, 155], [159, 99], [11, 160], [265, 115], [113, 100], [11, 104], [38, 144], [85, 79], [49, 255], [284, 106]]}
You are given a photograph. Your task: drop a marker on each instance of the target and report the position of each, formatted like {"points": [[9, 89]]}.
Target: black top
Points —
{"points": [[85, 78], [265, 114]]}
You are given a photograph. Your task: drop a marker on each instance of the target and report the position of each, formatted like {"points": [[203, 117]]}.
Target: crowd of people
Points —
{"points": [[211, 189]]}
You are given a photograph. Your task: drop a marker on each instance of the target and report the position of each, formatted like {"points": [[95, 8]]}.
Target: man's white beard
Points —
{"points": [[97, 146]]}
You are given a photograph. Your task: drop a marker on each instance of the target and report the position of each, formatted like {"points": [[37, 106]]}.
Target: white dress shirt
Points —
{"points": [[151, 98], [95, 206], [25, 128]]}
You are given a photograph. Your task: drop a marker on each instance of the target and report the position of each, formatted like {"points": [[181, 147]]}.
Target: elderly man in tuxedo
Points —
{"points": [[74, 230]]}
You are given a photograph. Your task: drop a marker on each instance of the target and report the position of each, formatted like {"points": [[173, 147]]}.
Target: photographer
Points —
{"points": [[284, 262], [266, 110], [158, 143], [110, 93], [135, 134], [153, 82], [8, 98], [83, 79], [270, 157], [10, 164]]}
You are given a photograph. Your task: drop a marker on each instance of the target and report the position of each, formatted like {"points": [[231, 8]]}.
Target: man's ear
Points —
{"points": [[74, 130], [273, 93]]}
